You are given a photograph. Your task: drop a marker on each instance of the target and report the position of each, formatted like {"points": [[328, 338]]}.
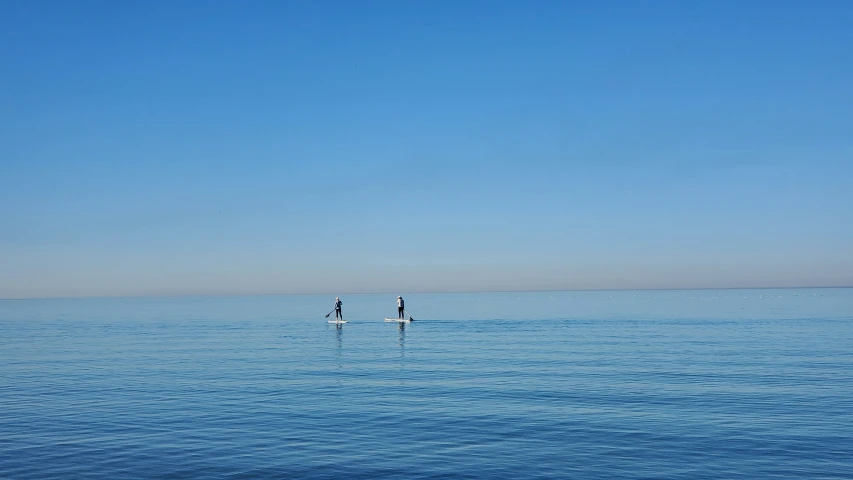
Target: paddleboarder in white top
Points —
{"points": [[338, 304], [401, 305]]}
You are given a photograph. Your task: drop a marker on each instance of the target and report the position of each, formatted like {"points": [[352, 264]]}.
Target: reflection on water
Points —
{"points": [[339, 346], [401, 343]]}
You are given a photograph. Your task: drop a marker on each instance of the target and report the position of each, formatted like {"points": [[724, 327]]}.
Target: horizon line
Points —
{"points": [[189, 295]]}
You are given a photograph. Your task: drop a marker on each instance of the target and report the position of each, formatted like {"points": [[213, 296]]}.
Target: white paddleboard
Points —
{"points": [[401, 320], [339, 322]]}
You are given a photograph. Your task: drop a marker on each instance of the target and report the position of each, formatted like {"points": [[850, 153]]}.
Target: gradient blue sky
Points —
{"points": [[296, 147]]}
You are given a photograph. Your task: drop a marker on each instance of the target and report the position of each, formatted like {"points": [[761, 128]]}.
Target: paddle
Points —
{"points": [[410, 316], [327, 315]]}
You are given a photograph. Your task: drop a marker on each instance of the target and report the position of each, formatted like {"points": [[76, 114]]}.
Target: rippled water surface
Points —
{"points": [[680, 384]]}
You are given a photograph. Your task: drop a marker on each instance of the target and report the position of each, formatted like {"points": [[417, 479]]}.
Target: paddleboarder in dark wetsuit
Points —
{"points": [[338, 304], [401, 305]]}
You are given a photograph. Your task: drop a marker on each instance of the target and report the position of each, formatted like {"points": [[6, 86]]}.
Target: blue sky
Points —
{"points": [[298, 147]]}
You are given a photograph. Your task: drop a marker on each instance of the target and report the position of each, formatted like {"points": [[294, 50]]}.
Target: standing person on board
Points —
{"points": [[401, 305], [338, 304]]}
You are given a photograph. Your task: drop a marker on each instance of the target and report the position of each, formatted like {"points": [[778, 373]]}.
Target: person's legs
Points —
{"points": [[339, 314], [399, 312]]}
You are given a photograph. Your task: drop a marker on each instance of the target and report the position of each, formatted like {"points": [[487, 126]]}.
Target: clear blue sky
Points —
{"points": [[278, 147]]}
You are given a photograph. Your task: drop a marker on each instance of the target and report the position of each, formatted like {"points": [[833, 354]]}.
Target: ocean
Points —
{"points": [[701, 384]]}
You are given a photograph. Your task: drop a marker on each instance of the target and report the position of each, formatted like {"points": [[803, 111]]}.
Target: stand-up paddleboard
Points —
{"points": [[400, 320], [339, 322]]}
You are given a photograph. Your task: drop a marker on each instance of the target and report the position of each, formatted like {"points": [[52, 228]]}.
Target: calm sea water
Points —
{"points": [[664, 384]]}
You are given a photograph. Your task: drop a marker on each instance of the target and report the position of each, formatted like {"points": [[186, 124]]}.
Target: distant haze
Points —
{"points": [[321, 147]]}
